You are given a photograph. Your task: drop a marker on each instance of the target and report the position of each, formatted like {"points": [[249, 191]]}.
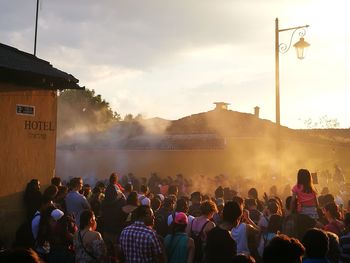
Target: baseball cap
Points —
{"points": [[181, 218]]}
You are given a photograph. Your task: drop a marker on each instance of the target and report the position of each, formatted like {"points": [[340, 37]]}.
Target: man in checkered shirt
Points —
{"points": [[139, 242]]}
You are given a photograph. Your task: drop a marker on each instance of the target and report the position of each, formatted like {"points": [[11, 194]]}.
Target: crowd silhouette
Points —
{"points": [[131, 219]]}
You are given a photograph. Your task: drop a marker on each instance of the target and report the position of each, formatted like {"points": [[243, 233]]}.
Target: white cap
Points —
{"points": [[146, 201], [161, 197], [57, 214]]}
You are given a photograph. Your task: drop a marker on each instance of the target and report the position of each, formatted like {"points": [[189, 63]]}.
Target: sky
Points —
{"points": [[171, 59]]}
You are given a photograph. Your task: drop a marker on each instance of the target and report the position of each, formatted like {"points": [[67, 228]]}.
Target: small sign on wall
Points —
{"points": [[25, 110]]}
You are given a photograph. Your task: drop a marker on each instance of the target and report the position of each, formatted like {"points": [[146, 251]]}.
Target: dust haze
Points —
{"points": [[227, 148]]}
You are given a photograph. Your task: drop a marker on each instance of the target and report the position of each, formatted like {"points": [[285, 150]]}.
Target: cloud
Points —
{"points": [[133, 34]]}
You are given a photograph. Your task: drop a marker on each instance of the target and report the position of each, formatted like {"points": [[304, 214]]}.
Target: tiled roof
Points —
{"points": [[23, 68]]}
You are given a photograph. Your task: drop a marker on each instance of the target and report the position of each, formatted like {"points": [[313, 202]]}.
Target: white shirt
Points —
{"points": [[239, 234], [35, 224]]}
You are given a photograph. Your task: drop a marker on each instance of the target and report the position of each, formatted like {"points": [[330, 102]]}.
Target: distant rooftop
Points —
{"points": [[221, 105], [22, 68]]}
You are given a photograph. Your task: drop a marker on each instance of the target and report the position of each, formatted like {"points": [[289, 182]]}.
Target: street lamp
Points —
{"points": [[283, 48]]}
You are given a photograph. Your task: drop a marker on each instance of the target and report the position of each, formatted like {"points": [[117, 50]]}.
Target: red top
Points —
{"points": [[304, 199]]}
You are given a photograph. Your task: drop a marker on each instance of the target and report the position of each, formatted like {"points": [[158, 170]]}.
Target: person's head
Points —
{"points": [[284, 249], [275, 224], [144, 189], [101, 186], [196, 198], [96, 194], [180, 223], [173, 190], [128, 188], [76, 183], [169, 204], [305, 179], [208, 209], [220, 203], [331, 210], [133, 199], [253, 193], [232, 213], [239, 200], [145, 214], [51, 192], [86, 190], [155, 204], [316, 243], [219, 192], [33, 185], [328, 198], [56, 181], [87, 220], [181, 205], [241, 258], [62, 192], [251, 203], [272, 207], [113, 178]]}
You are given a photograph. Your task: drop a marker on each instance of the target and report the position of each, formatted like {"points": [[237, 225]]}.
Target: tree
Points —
{"points": [[83, 110], [323, 122]]}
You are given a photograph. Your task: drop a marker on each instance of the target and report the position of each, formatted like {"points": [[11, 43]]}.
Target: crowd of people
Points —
{"points": [[131, 220]]}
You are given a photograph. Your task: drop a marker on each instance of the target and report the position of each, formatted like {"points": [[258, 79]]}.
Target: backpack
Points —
{"points": [[24, 235], [161, 223], [198, 243]]}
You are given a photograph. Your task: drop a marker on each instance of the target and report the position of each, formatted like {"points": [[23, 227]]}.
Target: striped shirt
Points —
{"points": [[139, 243]]}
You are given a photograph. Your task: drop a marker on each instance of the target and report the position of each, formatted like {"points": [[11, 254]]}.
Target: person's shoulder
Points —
{"points": [[296, 188], [97, 235]]}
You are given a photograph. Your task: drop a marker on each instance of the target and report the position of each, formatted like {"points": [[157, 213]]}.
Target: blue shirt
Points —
{"points": [[75, 204]]}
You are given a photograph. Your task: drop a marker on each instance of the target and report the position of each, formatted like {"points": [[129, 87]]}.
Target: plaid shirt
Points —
{"points": [[140, 243]]}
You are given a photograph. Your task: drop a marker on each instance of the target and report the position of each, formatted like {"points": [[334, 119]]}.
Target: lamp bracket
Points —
{"points": [[283, 47]]}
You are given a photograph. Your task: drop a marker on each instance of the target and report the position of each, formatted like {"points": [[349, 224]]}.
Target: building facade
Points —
{"points": [[28, 119]]}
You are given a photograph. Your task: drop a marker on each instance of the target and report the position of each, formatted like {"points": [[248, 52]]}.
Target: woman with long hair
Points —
{"points": [[304, 193], [32, 198], [332, 214], [179, 246], [88, 243]]}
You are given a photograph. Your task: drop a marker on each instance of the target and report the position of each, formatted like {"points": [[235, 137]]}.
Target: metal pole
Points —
{"points": [[36, 25], [277, 73]]}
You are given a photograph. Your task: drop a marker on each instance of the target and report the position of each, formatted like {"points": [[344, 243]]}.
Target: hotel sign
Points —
{"points": [[25, 110]]}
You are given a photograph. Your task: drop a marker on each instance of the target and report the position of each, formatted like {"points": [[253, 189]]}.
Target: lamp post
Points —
{"points": [[283, 48], [36, 26]]}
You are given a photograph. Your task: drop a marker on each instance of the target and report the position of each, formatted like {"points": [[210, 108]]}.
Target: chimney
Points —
{"points": [[221, 105], [256, 111]]}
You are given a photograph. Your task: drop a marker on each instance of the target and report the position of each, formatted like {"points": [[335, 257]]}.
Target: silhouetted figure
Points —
{"points": [[316, 246], [283, 249], [32, 198]]}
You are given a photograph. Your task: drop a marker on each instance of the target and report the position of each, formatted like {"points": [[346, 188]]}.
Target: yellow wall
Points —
{"points": [[27, 145]]}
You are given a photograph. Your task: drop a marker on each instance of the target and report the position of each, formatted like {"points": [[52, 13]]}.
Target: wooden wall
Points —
{"points": [[27, 146]]}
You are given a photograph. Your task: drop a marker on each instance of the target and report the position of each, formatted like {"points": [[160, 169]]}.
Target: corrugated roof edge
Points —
{"points": [[19, 62]]}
